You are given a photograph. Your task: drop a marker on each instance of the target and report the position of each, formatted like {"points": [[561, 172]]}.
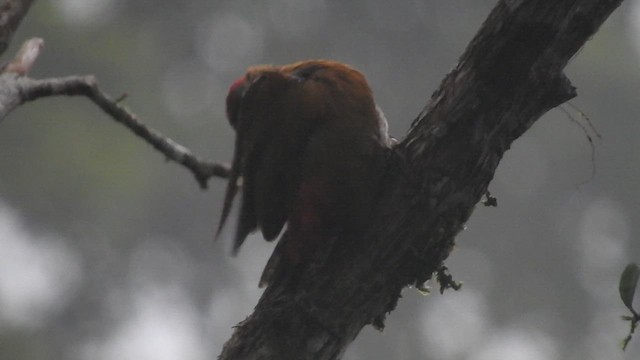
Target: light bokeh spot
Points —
{"points": [[161, 325], [228, 42], [453, 323], [38, 273], [85, 12], [604, 236], [517, 344], [189, 89]]}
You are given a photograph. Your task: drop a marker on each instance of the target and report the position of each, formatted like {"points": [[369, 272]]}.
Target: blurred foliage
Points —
{"points": [[537, 269]]}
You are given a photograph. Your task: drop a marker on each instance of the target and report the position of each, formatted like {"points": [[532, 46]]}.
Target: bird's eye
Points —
{"points": [[238, 84], [252, 82], [306, 72], [256, 79]]}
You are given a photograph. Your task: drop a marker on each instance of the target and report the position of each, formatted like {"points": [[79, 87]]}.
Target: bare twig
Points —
{"points": [[584, 129], [15, 90], [11, 13]]}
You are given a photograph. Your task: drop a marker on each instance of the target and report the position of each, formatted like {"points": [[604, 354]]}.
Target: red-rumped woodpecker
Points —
{"points": [[308, 151]]}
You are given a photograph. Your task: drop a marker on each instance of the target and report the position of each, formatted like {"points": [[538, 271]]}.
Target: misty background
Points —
{"points": [[106, 249]]}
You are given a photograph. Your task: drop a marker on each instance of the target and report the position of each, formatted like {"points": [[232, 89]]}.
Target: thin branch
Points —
{"points": [[16, 90]]}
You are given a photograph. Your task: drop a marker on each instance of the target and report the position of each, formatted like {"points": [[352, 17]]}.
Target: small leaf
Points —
{"points": [[628, 283], [625, 342]]}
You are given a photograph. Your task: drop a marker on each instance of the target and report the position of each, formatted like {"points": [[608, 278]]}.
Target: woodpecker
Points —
{"points": [[308, 153]]}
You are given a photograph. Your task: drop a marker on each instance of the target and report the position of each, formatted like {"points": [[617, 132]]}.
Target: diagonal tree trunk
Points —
{"points": [[509, 76]]}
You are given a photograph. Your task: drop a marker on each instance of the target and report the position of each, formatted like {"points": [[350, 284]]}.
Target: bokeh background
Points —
{"points": [[107, 252]]}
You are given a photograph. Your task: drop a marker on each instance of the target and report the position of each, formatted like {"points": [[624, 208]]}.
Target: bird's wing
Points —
{"points": [[274, 131], [232, 187]]}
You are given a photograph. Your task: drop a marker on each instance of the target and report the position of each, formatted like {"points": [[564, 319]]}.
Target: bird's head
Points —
{"points": [[315, 88]]}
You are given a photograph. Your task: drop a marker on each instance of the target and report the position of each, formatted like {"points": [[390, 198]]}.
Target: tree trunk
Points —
{"points": [[510, 74]]}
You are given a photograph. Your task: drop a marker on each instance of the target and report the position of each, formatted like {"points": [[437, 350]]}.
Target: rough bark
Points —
{"points": [[510, 74]]}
